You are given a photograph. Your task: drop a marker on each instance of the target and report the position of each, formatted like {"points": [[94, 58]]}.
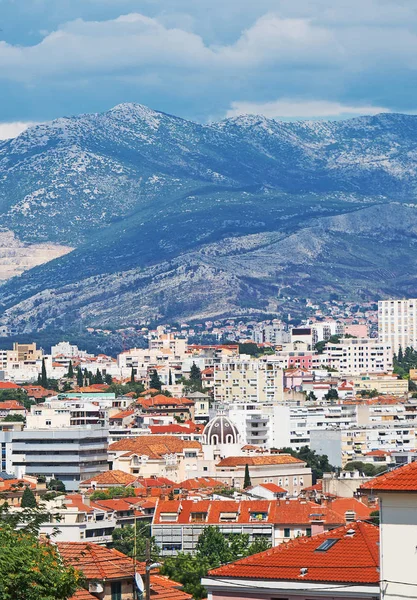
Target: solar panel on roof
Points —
{"points": [[327, 544]]}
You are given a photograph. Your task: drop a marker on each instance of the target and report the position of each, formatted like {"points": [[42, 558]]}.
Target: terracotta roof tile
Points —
{"points": [[154, 446], [403, 479], [285, 512], [83, 595], [274, 459], [96, 562], [111, 478], [354, 558]]}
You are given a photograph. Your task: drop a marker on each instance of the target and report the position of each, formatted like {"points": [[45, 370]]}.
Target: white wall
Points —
{"points": [[398, 546]]}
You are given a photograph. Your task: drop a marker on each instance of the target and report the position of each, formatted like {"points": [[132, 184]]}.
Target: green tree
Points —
{"points": [[214, 547], [195, 378], [247, 482], [14, 418], [98, 378], [132, 375], [28, 499], [332, 395], [108, 379], [44, 378], [70, 370], [189, 571], [56, 485], [33, 570], [155, 383], [170, 378], [80, 379], [318, 463], [374, 517], [123, 539]]}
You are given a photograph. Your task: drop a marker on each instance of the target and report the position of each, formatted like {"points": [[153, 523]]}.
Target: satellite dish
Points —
{"points": [[139, 583]]}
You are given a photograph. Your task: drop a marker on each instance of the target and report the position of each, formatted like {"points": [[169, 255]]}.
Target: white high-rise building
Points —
{"points": [[397, 323]]}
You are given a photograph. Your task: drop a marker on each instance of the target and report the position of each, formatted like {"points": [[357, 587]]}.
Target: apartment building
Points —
{"points": [[271, 333], [354, 442], [177, 524], [156, 455], [284, 470], [78, 518], [397, 323], [65, 413], [360, 356], [70, 454], [249, 381], [383, 383]]}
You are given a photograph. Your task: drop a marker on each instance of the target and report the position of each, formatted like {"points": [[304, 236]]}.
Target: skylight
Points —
{"points": [[327, 544]]}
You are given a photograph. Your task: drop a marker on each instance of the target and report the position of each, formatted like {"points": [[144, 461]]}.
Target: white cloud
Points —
{"points": [[299, 109], [12, 130]]}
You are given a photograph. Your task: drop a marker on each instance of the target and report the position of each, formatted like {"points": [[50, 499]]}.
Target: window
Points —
{"points": [[116, 590], [326, 545], [47, 422], [287, 532]]}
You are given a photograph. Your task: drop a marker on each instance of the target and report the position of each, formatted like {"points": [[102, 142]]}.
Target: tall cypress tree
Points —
{"points": [[44, 378], [99, 377], [80, 379], [247, 482], [170, 378], [70, 370], [132, 375], [155, 383], [195, 378]]}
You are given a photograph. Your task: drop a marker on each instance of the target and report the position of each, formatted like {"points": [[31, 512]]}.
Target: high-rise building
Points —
{"points": [[397, 323], [71, 454]]}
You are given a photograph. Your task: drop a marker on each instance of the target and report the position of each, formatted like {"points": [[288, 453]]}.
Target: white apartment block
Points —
{"points": [[249, 380], [324, 330], [173, 342], [397, 323], [360, 356], [66, 413], [354, 442]]}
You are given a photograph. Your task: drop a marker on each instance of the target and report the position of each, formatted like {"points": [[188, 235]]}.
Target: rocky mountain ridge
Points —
{"points": [[172, 219]]}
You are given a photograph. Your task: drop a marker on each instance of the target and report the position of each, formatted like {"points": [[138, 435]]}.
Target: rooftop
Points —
{"points": [[403, 479], [352, 558]]}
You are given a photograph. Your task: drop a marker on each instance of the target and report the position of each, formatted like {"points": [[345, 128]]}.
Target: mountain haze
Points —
{"points": [[172, 219]]}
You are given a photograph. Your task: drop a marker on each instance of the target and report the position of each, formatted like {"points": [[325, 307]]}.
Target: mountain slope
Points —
{"points": [[175, 219]]}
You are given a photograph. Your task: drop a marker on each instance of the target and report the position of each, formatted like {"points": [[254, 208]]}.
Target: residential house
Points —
{"points": [[284, 470], [110, 575], [340, 564], [397, 493], [156, 455], [177, 524]]}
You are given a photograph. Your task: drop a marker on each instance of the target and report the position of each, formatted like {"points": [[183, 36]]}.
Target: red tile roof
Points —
{"points": [[274, 459], [123, 414], [111, 478], [83, 595], [403, 479], [96, 562], [11, 405], [8, 385], [343, 505], [285, 512], [273, 487], [166, 589], [201, 482], [354, 558], [154, 446]]}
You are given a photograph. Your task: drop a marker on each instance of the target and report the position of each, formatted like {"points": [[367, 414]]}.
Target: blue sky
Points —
{"points": [[206, 59]]}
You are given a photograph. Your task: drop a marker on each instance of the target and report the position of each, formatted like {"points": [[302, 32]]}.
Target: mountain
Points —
{"points": [[172, 219]]}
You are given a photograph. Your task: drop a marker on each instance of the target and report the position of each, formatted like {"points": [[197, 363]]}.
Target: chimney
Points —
{"points": [[317, 526]]}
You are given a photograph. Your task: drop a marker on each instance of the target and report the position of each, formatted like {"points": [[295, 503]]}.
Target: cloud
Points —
{"points": [[11, 130], [196, 59], [299, 109]]}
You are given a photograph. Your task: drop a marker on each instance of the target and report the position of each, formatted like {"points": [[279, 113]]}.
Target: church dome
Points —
{"points": [[221, 430]]}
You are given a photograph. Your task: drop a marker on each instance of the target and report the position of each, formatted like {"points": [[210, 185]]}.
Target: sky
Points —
{"points": [[206, 59]]}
